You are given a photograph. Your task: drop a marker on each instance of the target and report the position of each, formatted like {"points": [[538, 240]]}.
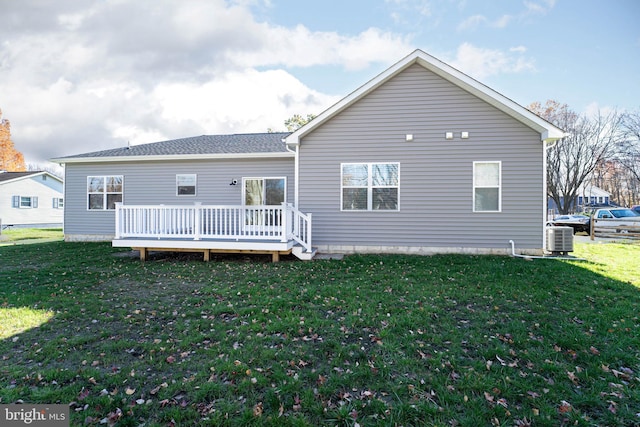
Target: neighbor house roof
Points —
{"points": [[592, 190], [197, 147], [6, 177], [548, 131]]}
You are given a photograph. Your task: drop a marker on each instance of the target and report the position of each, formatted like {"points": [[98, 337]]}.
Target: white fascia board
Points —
{"points": [[294, 138], [173, 157], [548, 131], [33, 175]]}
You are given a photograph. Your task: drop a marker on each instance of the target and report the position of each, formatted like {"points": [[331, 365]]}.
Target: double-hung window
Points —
{"points": [[370, 186], [26, 202], [103, 192], [487, 186]]}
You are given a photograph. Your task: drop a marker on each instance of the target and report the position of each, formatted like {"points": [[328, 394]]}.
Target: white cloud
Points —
{"points": [[84, 76], [475, 21], [480, 63], [502, 22], [248, 101], [472, 22], [518, 49], [301, 47], [539, 7]]}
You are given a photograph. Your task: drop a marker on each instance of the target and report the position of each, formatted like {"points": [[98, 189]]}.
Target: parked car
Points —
{"points": [[616, 217], [577, 222]]}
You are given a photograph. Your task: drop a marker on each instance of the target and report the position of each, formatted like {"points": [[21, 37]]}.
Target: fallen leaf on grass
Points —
{"points": [[83, 394], [620, 374], [565, 407], [257, 410], [296, 403], [129, 391]]}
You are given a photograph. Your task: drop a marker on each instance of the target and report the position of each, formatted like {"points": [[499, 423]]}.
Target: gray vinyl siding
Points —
{"points": [[436, 175], [153, 183]]}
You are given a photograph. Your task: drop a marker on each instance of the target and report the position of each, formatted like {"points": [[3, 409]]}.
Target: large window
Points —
{"points": [[186, 185], [104, 192], [370, 186], [487, 186]]}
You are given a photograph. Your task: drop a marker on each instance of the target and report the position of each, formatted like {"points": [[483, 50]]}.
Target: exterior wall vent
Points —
{"points": [[560, 240]]}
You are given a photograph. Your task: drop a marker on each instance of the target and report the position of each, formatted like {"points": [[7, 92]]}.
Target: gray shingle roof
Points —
{"points": [[247, 143], [8, 176]]}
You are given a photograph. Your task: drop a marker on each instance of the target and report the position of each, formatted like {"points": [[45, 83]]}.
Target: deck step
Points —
{"points": [[300, 252]]}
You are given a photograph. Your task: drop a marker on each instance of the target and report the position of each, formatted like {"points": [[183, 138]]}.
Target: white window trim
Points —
{"points": [[58, 202], [104, 193], [195, 185], [369, 187], [499, 186]]}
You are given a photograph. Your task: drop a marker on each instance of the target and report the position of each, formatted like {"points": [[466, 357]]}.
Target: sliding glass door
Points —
{"points": [[266, 192]]}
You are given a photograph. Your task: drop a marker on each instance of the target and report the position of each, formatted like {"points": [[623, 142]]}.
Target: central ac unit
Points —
{"points": [[560, 239]]}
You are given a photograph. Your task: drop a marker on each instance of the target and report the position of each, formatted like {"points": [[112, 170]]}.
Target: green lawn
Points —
{"points": [[12, 235], [367, 340]]}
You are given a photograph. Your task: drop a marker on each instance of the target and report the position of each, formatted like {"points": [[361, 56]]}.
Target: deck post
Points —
{"points": [[118, 219], [308, 233], [284, 227], [196, 220]]}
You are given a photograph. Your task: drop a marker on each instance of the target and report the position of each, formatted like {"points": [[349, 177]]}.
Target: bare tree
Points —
{"points": [[572, 160], [629, 154], [52, 168], [614, 177]]}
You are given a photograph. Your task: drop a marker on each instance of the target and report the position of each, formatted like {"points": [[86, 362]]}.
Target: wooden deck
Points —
{"points": [[274, 230], [207, 247]]}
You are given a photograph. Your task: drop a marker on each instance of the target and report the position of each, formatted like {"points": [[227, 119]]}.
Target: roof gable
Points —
{"points": [[200, 147], [7, 177], [548, 131]]}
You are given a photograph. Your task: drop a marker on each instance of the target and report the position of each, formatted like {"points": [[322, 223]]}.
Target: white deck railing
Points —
{"points": [[281, 223]]}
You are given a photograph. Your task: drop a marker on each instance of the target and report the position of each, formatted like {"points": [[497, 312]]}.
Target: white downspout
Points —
{"points": [[545, 204], [296, 172]]}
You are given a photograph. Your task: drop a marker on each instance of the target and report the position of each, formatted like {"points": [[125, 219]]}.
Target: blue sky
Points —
{"points": [[81, 75], [576, 51]]}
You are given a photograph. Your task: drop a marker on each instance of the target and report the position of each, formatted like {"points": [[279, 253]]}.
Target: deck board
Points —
{"points": [[206, 246]]}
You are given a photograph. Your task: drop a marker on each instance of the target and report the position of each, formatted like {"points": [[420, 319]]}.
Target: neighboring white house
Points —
{"points": [[31, 199], [590, 195]]}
